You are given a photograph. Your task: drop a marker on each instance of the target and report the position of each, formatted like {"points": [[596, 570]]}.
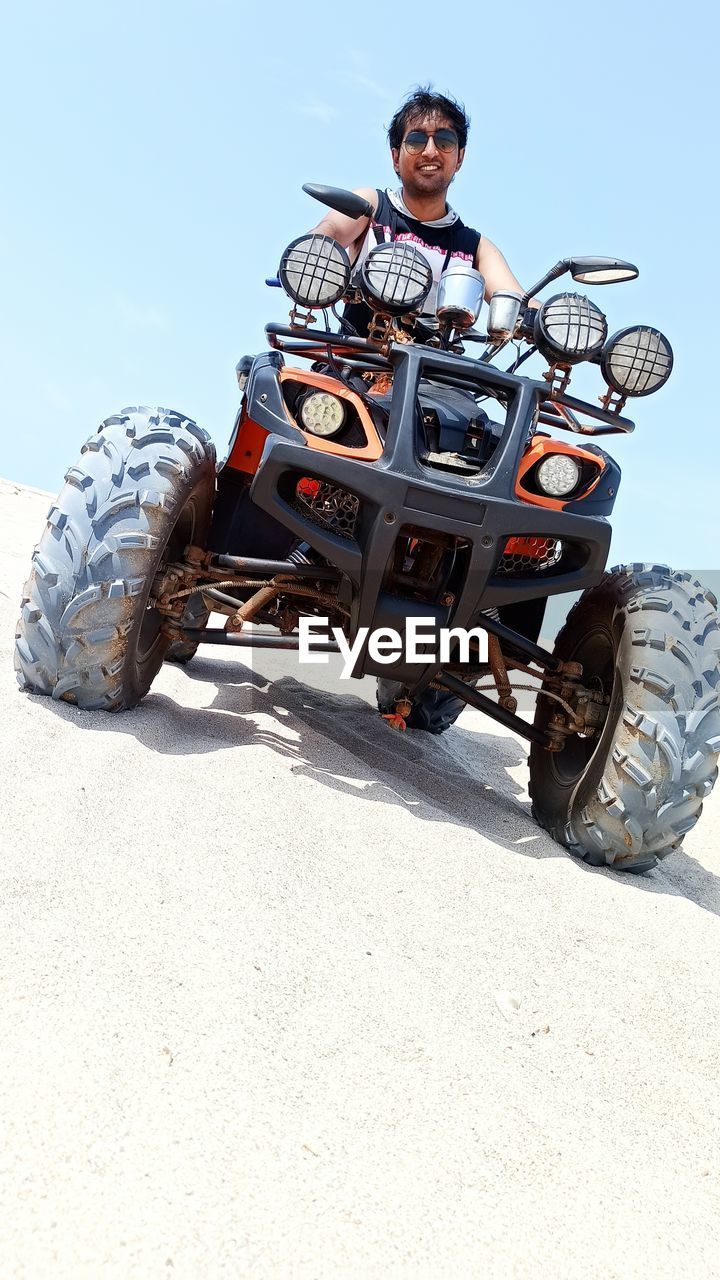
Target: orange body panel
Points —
{"points": [[540, 447], [249, 443], [366, 453]]}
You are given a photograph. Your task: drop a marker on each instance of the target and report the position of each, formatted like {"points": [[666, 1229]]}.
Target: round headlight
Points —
{"points": [[396, 278], [315, 271], [569, 328], [637, 361], [322, 413], [558, 475]]}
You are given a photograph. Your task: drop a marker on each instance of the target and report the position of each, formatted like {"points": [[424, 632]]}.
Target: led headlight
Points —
{"points": [[315, 271], [322, 413], [558, 475], [637, 361], [569, 328], [396, 278]]}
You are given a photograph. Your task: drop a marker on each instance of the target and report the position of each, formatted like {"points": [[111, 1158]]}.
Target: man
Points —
{"points": [[427, 137]]}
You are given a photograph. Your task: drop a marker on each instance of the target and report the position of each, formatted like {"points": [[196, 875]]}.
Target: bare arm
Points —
{"points": [[347, 231], [492, 265]]}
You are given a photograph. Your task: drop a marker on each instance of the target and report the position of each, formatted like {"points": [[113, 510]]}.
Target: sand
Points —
{"points": [[285, 993]]}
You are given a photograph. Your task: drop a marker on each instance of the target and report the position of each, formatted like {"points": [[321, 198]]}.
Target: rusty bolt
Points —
{"points": [[196, 555], [448, 598]]}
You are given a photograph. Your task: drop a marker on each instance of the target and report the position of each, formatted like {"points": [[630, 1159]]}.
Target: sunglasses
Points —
{"points": [[416, 141]]}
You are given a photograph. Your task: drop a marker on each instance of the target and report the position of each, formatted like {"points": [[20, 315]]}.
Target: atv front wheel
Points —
{"points": [[648, 639], [142, 491]]}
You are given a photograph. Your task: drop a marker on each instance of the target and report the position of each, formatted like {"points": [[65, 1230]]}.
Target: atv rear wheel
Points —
{"points": [[141, 492], [649, 638], [434, 711]]}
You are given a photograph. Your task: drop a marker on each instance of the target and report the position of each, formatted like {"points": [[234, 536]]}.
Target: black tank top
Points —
{"points": [[439, 245]]}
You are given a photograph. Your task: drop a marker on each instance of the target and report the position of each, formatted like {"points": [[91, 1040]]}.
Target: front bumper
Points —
{"points": [[398, 490]]}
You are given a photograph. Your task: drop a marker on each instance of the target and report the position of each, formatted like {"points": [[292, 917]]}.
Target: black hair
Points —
{"points": [[424, 102]]}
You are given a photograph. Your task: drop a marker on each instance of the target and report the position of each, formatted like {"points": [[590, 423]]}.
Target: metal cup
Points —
{"points": [[460, 294], [503, 313]]}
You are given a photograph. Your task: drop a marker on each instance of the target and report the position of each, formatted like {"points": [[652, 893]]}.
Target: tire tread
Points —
{"points": [[663, 763], [98, 548]]}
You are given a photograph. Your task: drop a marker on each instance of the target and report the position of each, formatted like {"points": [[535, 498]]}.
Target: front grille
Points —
{"points": [[327, 505], [523, 556]]}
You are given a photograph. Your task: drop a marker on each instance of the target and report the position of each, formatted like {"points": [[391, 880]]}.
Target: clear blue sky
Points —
{"points": [[152, 160]]}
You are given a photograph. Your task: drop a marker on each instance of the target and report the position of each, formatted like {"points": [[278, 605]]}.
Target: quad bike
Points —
{"points": [[373, 487]]}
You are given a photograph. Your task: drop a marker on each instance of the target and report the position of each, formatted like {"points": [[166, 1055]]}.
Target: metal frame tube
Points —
{"points": [[255, 640], [269, 568], [219, 597], [520, 642], [476, 699]]}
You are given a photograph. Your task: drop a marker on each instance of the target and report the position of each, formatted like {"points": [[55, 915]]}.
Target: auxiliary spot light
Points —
{"points": [[315, 271], [569, 328], [396, 278], [637, 361]]}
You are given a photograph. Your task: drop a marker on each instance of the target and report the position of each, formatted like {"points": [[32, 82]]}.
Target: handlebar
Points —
{"points": [[526, 324]]}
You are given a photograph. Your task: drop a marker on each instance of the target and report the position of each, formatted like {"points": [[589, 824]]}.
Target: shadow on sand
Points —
{"points": [[461, 777]]}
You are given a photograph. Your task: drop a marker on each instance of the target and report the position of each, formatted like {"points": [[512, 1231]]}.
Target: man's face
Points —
{"points": [[430, 172]]}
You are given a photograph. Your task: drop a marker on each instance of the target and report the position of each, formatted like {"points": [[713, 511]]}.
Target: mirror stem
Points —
{"points": [[558, 270]]}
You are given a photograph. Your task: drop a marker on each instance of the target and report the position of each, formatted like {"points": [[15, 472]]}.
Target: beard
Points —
{"points": [[426, 184]]}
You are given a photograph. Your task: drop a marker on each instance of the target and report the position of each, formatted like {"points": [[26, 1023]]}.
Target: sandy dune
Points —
{"points": [[287, 994]]}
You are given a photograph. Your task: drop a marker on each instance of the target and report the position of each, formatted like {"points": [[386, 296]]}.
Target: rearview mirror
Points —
{"points": [[602, 270], [343, 201]]}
